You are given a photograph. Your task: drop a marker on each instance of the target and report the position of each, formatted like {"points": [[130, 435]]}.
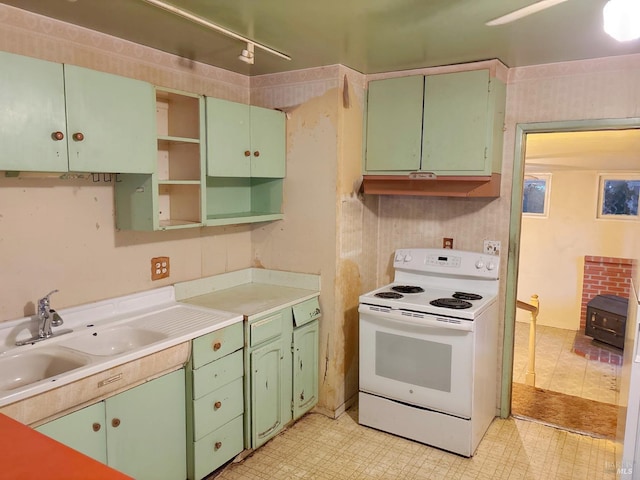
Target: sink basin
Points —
{"points": [[29, 367], [113, 341]]}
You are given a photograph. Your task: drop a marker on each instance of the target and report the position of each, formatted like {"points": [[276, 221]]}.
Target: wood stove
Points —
{"points": [[606, 319]]}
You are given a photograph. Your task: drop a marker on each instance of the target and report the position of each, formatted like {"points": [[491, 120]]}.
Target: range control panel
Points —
{"points": [[448, 262]]}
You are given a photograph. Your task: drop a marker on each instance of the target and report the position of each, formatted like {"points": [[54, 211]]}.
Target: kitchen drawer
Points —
{"points": [[265, 329], [218, 447], [306, 311], [217, 344], [217, 408], [216, 374]]}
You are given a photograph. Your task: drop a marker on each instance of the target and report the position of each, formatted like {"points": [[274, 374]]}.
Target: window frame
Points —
{"points": [[546, 177], [602, 178]]}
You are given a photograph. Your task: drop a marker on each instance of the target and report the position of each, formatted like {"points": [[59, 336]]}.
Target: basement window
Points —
{"points": [[618, 196], [535, 195]]}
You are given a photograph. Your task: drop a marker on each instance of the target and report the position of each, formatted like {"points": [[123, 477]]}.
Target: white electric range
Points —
{"points": [[428, 349]]}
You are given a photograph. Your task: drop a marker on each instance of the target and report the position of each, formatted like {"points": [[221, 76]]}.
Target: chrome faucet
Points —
{"points": [[47, 318]]}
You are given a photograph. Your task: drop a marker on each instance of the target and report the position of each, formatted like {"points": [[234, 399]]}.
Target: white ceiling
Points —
{"points": [[603, 150]]}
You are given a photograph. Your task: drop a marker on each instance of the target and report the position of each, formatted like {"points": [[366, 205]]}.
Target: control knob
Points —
{"points": [[479, 264], [491, 265]]}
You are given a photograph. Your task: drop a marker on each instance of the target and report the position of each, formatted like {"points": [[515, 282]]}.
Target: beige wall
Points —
{"points": [[552, 248]]}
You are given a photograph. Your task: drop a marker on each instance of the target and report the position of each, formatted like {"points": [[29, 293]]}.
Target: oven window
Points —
{"points": [[413, 361]]}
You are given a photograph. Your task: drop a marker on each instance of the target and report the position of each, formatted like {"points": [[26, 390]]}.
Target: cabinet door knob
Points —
{"points": [[216, 346], [217, 446], [247, 153], [217, 405], [96, 427], [78, 136], [115, 423], [57, 136], [256, 153]]}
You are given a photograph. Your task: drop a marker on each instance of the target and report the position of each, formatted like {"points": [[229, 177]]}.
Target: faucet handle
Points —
{"points": [[45, 300]]}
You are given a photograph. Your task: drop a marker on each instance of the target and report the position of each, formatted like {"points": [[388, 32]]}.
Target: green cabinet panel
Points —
{"points": [[31, 111], [216, 448], [215, 400], [84, 431], [244, 140], [394, 124], [449, 124], [140, 432], [116, 117], [456, 123], [305, 368], [147, 429], [266, 392], [58, 118]]}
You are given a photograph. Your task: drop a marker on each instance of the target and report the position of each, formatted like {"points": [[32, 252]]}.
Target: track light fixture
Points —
{"points": [[247, 54]]}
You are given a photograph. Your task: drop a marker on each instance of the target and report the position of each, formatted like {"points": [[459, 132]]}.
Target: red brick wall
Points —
{"points": [[604, 275]]}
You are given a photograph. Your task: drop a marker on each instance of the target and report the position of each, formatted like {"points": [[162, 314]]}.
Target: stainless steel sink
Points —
{"points": [[30, 367], [113, 341]]}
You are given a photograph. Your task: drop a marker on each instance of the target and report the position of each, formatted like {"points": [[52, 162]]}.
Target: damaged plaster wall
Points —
{"points": [[321, 231]]}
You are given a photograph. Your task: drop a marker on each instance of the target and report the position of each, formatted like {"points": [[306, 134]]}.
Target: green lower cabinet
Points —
{"points": [[84, 431], [305, 368], [140, 432], [266, 392], [215, 401]]}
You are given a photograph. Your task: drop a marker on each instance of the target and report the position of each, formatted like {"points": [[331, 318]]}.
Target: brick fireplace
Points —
{"points": [[604, 276]]}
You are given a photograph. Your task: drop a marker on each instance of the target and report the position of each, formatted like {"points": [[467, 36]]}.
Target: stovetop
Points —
{"points": [[446, 282], [422, 301]]}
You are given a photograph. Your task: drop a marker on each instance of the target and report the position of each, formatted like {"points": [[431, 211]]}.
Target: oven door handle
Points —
{"points": [[416, 319]]}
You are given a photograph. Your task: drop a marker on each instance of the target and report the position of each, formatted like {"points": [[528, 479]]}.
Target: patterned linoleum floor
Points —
{"points": [[559, 369], [320, 448]]}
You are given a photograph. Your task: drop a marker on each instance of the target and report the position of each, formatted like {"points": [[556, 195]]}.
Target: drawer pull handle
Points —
{"points": [[57, 136], [217, 346], [96, 427], [217, 405], [115, 423], [78, 136], [217, 446]]}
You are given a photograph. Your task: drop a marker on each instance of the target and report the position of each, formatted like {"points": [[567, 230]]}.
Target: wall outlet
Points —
{"points": [[492, 247], [159, 268], [447, 242]]}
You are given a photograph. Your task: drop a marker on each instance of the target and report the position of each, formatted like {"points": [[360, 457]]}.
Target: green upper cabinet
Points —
{"points": [[394, 124], [58, 118], [244, 140], [448, 124]]}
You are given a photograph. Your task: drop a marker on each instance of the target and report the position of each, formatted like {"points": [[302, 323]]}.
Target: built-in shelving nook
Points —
{"points": [[173, 196]]}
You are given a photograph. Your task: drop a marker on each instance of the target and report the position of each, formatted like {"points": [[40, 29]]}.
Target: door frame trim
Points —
{"points": [[515, 218]]}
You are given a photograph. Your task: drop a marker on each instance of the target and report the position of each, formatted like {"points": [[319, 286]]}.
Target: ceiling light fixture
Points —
{"points": [[524, 12], [247, 54], [622, 19], [212, 26]]}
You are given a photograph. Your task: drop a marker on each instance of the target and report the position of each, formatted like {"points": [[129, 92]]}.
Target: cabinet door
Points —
{"points": [[456, 123], [116, 118], [83, 431], [266, 392], [228, 139], [394, 124], [31, 112], [146, 436], [268, 139], [305, 368]]}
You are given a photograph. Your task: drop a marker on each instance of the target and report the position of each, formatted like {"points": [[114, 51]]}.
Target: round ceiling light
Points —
{"points": [[622, 19]]}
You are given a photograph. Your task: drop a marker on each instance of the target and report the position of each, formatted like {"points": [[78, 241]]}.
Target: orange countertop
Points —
{"points": [[28, 454]]}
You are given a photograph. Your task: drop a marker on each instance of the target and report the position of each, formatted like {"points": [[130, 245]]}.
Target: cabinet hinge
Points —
{"points": [[293, 347]]}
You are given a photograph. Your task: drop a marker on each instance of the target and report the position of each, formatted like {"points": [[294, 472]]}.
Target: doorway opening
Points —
{"points": [[554, 228]]}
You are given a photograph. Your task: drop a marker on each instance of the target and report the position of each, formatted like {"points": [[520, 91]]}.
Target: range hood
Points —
{"points": [[430, 185]]}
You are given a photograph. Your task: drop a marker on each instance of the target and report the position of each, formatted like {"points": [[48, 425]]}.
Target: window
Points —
{"points": [[535, 195], [618, 196]]}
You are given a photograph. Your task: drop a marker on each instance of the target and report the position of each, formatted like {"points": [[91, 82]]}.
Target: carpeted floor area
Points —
{"points": [[566, 411]]}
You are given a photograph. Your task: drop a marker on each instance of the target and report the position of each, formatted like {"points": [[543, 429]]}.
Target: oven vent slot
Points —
{"points": [[379, 309], [407, 313], [449, 320]]}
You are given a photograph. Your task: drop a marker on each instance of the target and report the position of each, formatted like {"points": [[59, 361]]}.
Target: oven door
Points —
{"points": [[424, 362]]}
